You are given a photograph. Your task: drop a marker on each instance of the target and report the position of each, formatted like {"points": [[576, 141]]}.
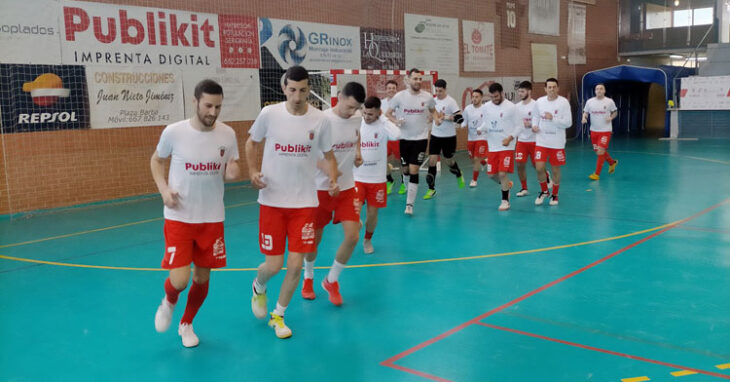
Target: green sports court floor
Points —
{"points": [[627, 279]]}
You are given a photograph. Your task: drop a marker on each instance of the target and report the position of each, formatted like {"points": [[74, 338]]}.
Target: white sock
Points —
{"points": [[412, 191], [335, 271], [279, 311], [258, 288], [406, 178], [308, 269]]}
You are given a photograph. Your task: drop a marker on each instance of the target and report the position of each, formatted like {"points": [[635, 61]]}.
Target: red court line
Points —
{"points": [[593, 348], [390, 362]]}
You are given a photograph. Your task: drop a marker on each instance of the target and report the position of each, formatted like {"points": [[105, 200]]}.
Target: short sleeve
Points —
{"points": [[260, 126], [612, 107], [325, 136], [164, 146]]}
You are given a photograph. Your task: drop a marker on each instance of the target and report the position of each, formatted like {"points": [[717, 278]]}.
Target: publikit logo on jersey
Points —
{"points": [[43, 97]]}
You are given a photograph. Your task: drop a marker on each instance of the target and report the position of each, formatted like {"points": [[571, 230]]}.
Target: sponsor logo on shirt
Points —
{"points": [[369, 144], [414, 111], [210, 166], [289, 148], [344, 146]]}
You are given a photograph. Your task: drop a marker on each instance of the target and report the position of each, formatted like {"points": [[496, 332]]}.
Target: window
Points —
{"points": [[683, 18], [658, 17], [703, 16]]}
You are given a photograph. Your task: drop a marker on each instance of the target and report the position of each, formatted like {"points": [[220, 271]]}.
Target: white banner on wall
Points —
{"points": [[576, 34], [432, 43], [544, 17], [29, 32], [479, 50], [312, 45], [544, 61], [241, 92], [101, 34], [705, 93], [134, 96]]}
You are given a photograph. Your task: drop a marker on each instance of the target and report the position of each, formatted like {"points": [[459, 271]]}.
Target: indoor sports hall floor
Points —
{"points": [[628, 279]]}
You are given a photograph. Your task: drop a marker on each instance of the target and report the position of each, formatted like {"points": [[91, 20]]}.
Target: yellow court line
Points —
{"points": [[99, 229], [682, 373], [724, 366], [546, 249], [674, 155], [635, 379]]}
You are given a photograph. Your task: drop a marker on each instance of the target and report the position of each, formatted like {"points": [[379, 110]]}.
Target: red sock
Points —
{"points": [[475, 176], [543, 187], [599, 163], [483, 162], [196, 296], [608, 158], [524, 184], [368, 235], [556, 187], [171, 292]]}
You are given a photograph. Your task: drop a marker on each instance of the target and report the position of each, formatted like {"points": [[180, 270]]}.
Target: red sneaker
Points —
{"points": [[333, 289], [308, 289]]}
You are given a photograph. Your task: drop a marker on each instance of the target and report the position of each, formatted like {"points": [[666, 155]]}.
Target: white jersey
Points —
{"points": [[385, 104], [196, 169], [447, 106], [501, 121], [525, 110], [374, 139], [345, 134], [414, 110], [294, 144], [473, 118], [552, 132], [599, 110]]}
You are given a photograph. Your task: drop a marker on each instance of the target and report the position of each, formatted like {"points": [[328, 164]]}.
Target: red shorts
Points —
{"points": [[556, 156], [277, 224], [342, 206], [523, 150], [394, 149], [199, 243], [372, 193], [500, 161], [477, 149], [600, 139]]}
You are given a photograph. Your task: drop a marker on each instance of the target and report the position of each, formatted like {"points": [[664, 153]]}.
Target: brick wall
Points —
{"points": [[60, 168]]}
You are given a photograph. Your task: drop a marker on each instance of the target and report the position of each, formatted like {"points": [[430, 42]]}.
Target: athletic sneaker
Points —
{"points": [[402, 190], [549, 180], [409, 209], [473, 183], [523, 192], [367, 246], [504, 206], [554, 200], [429, 194], [612, 167], [594, 176], [333, 289], [163, 315], [308, 289], [258, 304], [277, 322], [389, 187], [461, 181], [189, 339], [541, 198]]}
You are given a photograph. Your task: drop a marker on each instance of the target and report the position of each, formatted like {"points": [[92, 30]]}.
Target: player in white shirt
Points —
{"points": [[296, 136], [414, 107], [525, 147], [391, 88], [502, 126], [344, 208], [203, 155], [375, 133], [551, 118], [476, 143], [601, 110], [443, 138]]}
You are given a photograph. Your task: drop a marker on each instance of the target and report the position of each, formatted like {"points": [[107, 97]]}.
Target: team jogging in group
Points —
{"points": [[313, 168]]}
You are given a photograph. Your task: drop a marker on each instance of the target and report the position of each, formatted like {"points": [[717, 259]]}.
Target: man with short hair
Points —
{"points": [[443, 138], [203, 154], [476, 143], [526, 139], [296, 136], [601, 110], [391, 88], [551, 118], [415, 106], [344, 208]]}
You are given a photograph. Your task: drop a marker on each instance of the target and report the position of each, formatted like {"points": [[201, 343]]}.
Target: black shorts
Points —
{"points": [[413, 152], [445, 144]]}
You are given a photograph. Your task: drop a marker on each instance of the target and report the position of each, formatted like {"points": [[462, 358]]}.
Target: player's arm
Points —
{"points": [[585, 118], [233, 171], [253, 149], [436, 116], [517, 123], [536, 119], [392, 130], [564, 120], [332, 172], [358, 153], [613, 115], [390, 115], [157, 166]]}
